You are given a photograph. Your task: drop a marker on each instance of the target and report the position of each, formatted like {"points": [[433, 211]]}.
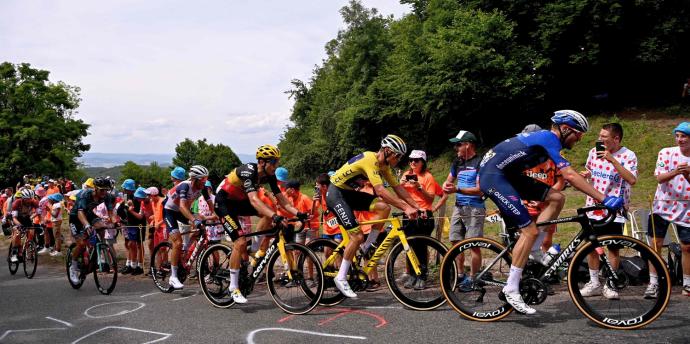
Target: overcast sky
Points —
{"points": [[154, 72]]}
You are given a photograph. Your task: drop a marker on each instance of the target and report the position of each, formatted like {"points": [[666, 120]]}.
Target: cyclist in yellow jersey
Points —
{"points": [[343, 197]]}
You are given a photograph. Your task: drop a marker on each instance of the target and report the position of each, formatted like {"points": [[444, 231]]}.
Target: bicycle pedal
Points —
{"points": [[502, 296]]}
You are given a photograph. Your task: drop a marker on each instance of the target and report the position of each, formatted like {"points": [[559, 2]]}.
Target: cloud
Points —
{"points": [[155, 72]]}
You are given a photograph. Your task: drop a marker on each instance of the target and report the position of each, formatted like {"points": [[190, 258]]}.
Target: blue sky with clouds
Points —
{"points": [[154, 72]]}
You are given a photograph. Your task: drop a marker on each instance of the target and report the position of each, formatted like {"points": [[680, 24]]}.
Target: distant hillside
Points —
{"points": [[92, 159], [115, 172], [107, 160]]}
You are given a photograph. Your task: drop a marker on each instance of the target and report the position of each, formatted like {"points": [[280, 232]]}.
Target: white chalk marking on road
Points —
{"points": [[30, 330], [139, 304], [165, 335], [60, 321], [185, 297], [250, 336], [149, 294]]}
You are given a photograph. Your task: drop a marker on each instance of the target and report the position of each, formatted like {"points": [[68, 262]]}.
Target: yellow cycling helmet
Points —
{"points": [[89, 183], [268, 152]]}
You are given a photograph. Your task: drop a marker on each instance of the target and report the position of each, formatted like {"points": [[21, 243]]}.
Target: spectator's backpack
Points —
{"points": [[675, 268]]}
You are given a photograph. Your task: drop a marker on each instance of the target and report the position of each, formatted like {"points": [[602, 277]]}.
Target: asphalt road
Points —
{"points": [[47, 309]]}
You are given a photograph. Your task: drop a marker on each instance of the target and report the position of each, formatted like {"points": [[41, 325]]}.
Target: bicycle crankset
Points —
{"points": [[619, 283], [359, 282], [533, 291]]}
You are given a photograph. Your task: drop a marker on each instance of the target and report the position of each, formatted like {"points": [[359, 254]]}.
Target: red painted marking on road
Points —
{"points": [[341, 313]]}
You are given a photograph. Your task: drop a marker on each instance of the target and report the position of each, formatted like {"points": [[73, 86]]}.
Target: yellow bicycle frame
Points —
{"points": [[380, 251]]}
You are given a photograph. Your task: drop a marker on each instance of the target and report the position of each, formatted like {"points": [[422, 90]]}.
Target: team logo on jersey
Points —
{"points": [[490, 154], [661, 164], [247, 184]]}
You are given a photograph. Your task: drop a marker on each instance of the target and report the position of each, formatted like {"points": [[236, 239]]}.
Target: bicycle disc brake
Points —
{"points": [[619, 283], [533, 291]]}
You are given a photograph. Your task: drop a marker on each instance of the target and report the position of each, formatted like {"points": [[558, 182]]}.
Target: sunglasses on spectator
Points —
{"points": [[416, 160]]}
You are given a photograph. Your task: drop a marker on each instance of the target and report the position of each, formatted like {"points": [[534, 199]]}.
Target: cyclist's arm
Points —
{"points": [[391, 199], [580, 183], [260, 206], [82, 218], [285, 203], [185, 205]]}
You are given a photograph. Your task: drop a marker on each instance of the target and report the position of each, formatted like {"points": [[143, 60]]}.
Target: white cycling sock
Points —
{"points": [[594, 276], [129, 263], [173, 271], [653, 279], [686, 280], [513, 280], [138, 264], [234, 277], [344, 268]]}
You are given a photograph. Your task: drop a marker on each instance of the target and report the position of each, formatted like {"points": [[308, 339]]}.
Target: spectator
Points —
{"points": [[52, 187], [612, 171], [302, 203], [467, 220], [685, 95], [671, 204], [423, 188]]}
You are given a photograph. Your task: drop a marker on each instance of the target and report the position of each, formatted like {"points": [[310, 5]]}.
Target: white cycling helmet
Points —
{"points": [[28, 194], [198, 172], [395, 143], [572, 119]]}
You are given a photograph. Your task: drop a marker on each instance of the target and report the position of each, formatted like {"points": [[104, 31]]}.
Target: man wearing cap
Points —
{"points": [[52, 188], [467, 220], [672, 204]]}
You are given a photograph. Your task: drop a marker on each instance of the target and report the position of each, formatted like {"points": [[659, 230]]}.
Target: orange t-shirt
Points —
{"points": [[330, 223], [364, 216], [158, 221], [53, 190], [428, 183]]}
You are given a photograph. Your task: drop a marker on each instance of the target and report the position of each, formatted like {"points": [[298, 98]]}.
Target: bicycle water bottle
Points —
{"points": [[552, 253]]}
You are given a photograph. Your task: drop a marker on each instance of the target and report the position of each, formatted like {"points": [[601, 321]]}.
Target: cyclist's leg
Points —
{"points": [[497, 187], [175, 238]]}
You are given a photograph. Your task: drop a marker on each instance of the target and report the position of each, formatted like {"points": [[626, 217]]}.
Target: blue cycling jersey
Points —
{"points": [[525, 151], [504, 164]]}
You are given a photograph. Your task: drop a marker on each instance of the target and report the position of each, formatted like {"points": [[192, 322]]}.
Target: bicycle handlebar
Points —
{"points": [[610, 215]]}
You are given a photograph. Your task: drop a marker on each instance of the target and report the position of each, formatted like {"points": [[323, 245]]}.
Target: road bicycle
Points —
{"points": [[188, 262], [294, 275], [401, 263], [27, 254], [483, 300], [98, 259]]}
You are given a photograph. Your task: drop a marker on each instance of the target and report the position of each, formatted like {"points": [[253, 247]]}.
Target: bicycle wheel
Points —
{"points": [[68, 265], [299, 291], [323, 248], [425, 293], [30, 259], [631, 310], [160, 267], [13, 266], [477, 299], [214, 275], [105, 272]]}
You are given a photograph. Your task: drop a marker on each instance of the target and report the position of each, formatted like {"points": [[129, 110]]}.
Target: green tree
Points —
{"points": [[38, 132], [219, 159], [145, 176]]}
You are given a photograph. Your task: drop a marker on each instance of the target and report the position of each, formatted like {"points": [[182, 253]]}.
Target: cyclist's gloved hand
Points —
{"points": [[302, 216], [613, 203], [277, 219]]}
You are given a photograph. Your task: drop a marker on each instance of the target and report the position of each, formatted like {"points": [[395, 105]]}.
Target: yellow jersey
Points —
{"points": [[362, 167]]}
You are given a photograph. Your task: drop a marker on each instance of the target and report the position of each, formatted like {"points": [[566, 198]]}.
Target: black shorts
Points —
{"points": [[343, 203], [77, 228], [229, 210], [508, 191]]}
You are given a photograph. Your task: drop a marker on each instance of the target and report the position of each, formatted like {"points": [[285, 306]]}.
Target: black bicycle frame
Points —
{"points": [[587, 233]]}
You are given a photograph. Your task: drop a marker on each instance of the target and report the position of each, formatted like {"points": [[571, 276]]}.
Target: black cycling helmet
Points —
{"points": [[103, 183]]}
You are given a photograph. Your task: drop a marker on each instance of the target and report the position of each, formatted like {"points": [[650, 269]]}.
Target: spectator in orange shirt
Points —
{"points": [[303, 204], [423, 188], [52, 187]]}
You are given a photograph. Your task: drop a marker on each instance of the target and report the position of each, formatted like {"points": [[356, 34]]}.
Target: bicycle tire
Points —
{"points": [[68, 265], [295, 296], [13, 266], [609, 313], [30, 260], [429, 297], [214, 276], [159, 267], [331, 295], [478, 300], [108, 267]]}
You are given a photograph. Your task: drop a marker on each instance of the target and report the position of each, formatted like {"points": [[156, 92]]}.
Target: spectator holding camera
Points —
{"points": [[672, 203], [612, 170]]}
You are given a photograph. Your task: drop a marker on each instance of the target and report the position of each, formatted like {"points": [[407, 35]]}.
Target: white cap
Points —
{"points": [[151, 191], [418, 154]]}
